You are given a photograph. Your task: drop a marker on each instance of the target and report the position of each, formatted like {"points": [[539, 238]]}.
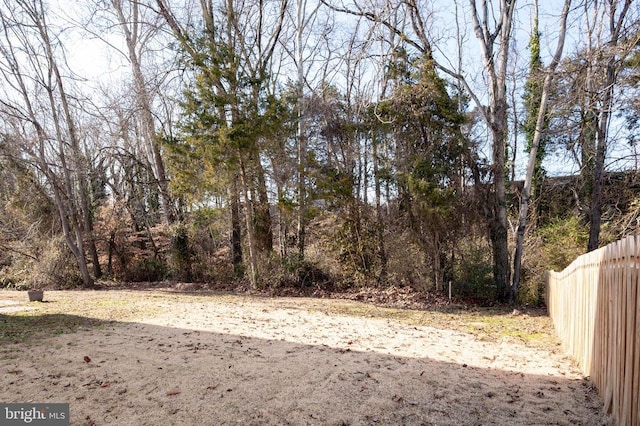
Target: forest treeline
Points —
{"points": [[316, 145]]}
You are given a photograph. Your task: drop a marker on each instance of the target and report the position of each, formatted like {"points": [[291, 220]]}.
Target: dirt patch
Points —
{"points": [[7, 306], [147, 358]]}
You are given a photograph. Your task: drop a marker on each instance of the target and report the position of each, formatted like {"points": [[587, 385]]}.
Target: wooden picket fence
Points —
{"points": [[595, 306]]}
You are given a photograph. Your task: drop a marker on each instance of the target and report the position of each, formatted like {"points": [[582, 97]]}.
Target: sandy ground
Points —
{"points": [[273, 362]]}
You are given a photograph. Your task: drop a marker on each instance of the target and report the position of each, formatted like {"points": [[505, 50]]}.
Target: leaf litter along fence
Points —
{"points": [[595, 306]]}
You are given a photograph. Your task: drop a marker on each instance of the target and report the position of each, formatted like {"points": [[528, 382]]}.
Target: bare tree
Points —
{"points": [[305, 17], [46, 130], [136, 34], [610, 55], [549, 72], [492, 28]]}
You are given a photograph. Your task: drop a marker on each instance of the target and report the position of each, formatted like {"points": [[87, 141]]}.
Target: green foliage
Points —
{"points": [[426, 124], [427, 121], [563, 240], [181, 255], [147, 270], [224, 110], [334, 185], [193, 177], [427, 184], [421, 102], [551, 246], [227, 115], [473, 272], [354, 243], [532, 98], [533, 89]]}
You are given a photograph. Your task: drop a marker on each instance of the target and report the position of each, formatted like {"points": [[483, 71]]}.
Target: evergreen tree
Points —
{"points": [[226, 106], [532, 97]]}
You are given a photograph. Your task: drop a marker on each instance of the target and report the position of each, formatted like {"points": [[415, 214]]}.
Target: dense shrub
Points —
{"points": [[181, 254], [147, 270], [551, 246], [291, 271], [53, 267], [407, 264], [473, 271]]}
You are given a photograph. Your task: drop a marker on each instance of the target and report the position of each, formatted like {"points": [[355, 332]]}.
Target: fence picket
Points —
{"points": [[595, 307]]}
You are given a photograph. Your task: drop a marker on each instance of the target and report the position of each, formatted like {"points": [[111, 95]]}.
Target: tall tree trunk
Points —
{"points": [[87, 218], [84, 223], [301, 130], [601, 153], [498, 225], [249, 221], [533, 153], [497, 119], [236, 229], [498, 233], [80, 166], [282, 223], [75, 245], [143, 101], [264, 227], [616, 25], [382, 253], [301, 190]]}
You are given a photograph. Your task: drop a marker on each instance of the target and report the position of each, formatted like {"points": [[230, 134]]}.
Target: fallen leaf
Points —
{"points": [[87, 359], [173, 392]]}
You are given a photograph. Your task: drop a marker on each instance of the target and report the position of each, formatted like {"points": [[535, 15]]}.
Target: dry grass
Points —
{"points": [[68, 311]]}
